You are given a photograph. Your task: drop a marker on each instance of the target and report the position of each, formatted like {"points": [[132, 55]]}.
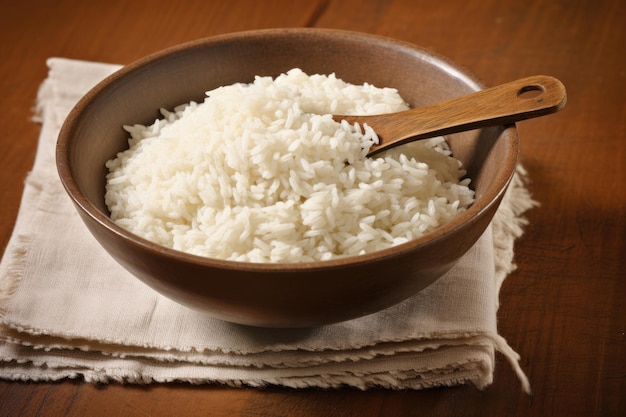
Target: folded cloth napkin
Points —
{"points": [[67, 310]]}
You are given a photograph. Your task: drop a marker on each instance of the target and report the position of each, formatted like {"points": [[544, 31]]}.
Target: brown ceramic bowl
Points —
{"points": [[279, 295]]}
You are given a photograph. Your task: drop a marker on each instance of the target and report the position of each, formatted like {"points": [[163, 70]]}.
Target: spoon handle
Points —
{"points": [[508, 103]]}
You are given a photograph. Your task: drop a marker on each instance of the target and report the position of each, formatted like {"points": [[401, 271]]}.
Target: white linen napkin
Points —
{"points": [[67, 310]]}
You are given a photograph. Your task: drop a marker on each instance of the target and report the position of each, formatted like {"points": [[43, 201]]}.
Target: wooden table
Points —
{"points": [[563, 310]]}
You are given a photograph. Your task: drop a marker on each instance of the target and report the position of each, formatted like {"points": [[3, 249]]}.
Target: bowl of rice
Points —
{"points": [[214, 172]]}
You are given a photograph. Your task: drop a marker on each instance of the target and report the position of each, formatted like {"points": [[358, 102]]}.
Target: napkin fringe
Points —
{"points": [[509, 225], [14, 269], [39, 340], [44, 93], [510, 222], [385, 380], [502, 346], [475, 373]]}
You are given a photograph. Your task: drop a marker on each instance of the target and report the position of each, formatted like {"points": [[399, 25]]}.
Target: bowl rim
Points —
{"points": [[490, 197]]}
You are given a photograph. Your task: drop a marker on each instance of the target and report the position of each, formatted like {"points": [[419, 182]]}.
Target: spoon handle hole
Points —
{"points": [[531, 91]]}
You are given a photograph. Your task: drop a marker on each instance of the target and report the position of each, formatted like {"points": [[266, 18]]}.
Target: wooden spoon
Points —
{"points": [[508, 103]]}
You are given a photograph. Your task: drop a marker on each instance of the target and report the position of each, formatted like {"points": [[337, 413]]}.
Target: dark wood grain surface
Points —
{"points": [[562, 310]]}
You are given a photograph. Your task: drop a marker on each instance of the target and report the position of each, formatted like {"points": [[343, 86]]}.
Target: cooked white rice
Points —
{"points": [[260, 172]]}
